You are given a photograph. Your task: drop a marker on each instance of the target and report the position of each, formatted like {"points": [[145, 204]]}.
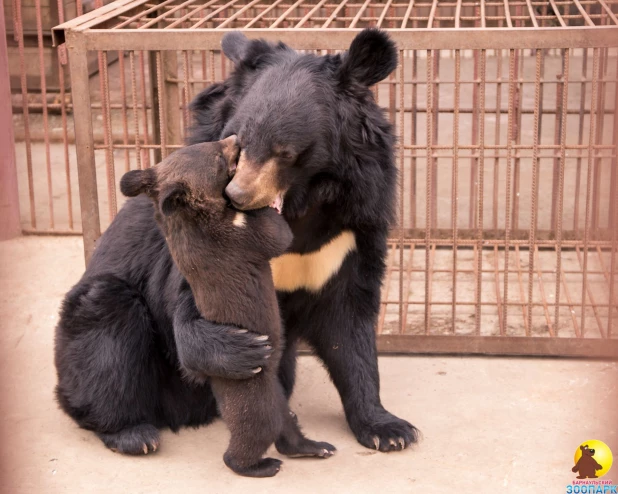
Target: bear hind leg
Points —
{"points": [[250, 439], [245, 451], [107, 377], [137, 440], [291, 442]]}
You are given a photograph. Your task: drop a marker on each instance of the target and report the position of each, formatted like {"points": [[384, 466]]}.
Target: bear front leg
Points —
{"points": [[206, 349], [344, 339]]}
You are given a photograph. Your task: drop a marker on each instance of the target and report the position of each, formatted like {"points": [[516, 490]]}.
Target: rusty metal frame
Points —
{"points": [[492, 258], [339, 39]]}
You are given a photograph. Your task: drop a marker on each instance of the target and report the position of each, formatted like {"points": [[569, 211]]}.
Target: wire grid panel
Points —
{"points": [[47, 184], [506, 234], [519, 191], [347, 14], [46, 155], [507, 212]]}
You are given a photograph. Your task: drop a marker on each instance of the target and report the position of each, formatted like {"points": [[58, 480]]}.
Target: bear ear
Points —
{"points": [[371, 58], [135, 182], [251, 53], [171, 198], [234, 46]]}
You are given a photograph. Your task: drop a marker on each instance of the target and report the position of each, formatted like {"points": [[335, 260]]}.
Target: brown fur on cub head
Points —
{"points": [[223, 253], [192, 178]]}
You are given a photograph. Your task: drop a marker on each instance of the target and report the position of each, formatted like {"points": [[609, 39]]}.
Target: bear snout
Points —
{"points": [[236, 194]]}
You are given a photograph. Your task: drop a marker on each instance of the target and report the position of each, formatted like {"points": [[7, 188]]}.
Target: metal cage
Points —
{"points": [[508, 137]]}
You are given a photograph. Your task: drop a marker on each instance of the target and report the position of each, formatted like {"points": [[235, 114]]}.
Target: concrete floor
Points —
{"points": [[490, 424]]}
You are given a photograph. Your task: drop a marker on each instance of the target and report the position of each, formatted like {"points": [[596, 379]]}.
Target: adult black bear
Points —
{"points": [[224, 255], [315, 144], [312, 136]]}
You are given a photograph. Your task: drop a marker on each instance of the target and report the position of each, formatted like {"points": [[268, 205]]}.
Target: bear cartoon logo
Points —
{"points": [[592, 459], [587, 466]]}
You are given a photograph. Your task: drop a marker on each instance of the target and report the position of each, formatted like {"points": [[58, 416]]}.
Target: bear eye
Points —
{"points": [[285, 154]]}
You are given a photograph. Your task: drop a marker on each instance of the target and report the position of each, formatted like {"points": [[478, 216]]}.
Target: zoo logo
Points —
{"points": [[593, 459]]}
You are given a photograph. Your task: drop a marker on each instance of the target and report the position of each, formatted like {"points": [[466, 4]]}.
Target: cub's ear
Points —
{"points": [[136, 182], [234, 45], [371, 58], [172, 197]]}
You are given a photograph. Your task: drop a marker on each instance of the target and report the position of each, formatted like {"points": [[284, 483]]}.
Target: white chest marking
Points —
{"points": [[313, 270], [239, 220]]}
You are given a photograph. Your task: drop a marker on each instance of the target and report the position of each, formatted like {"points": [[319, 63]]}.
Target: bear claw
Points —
{"points": [[137, 440], [382, 429]]}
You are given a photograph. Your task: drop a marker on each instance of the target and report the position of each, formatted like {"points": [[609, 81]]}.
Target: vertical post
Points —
{"points": [[84, 142], [154, 101], [436, 125], [171, 99], [9, 199]]}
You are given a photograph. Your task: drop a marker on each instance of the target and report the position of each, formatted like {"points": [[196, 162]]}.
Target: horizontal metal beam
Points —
{"points": [[498, 345], [494, 345], [336, 39], [98, 15]]}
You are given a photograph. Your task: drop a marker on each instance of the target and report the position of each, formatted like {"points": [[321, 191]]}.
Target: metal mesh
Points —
{"points": [[508, 129], [322, 14]]}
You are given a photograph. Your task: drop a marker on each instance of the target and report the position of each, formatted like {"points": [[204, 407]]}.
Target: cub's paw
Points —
{"points": [[385, 432], [306, 448], [266, 467], [229, 353]]}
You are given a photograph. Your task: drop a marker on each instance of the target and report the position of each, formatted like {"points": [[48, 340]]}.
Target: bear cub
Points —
{"points": [[224, 256]]}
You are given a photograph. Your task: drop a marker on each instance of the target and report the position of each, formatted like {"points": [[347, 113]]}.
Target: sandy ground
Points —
{"points": [[489, 424]]}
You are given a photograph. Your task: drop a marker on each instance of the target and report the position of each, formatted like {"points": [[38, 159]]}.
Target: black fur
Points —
{"points": [[116, 350], [117, 355], [227, 266], [371, 58], [341, 177]]}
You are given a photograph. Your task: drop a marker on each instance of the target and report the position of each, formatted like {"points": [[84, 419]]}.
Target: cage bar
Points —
{"points": [[505, 111]]}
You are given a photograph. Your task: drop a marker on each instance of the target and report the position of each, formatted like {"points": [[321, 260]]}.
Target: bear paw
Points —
{"points": [[385, 432], [266, 467], [138, 440], [222, 352], [306, 448]]}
